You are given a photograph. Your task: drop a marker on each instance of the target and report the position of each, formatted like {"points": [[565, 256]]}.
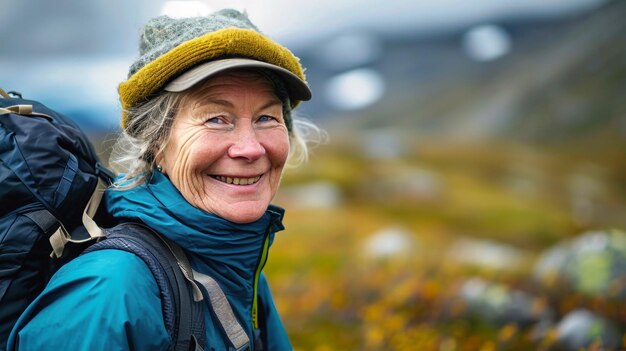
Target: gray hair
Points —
{"points": [[150, 123]]}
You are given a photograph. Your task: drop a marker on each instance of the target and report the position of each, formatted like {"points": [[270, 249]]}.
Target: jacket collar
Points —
{"points": [[227, 251]]}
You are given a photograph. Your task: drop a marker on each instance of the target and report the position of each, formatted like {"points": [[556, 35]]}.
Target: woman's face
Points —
{"points": [[228, 146]]}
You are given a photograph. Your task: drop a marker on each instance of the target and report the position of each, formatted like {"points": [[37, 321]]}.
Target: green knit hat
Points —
{"points": [[175, 54]]}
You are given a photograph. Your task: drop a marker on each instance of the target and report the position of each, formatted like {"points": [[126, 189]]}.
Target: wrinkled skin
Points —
{"points": [[229, 126]]}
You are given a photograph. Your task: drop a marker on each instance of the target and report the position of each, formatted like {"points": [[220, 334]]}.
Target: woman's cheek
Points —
{"points": [[279, 146]]}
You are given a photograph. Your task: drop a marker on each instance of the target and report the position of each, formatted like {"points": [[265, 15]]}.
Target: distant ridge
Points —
{"points": [[562, 81]]}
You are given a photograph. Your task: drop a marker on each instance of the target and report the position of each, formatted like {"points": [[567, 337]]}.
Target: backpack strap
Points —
{"points": [[61, 236], [177, 281], [224, 312], [183, 317], [238, 338], [43, 219], [22, 110]]}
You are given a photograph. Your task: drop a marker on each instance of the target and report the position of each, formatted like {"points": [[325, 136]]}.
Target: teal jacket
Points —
{"points": [[109, 300]]}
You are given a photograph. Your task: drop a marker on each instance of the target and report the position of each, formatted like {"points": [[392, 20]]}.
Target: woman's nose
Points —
{"points": [[246, 145]]}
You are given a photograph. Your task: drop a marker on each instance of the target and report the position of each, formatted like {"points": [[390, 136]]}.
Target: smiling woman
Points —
{"points": [[228, 146], [207, 131]]}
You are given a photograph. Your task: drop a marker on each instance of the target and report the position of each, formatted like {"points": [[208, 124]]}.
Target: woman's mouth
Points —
{"points": [[236, 180]]}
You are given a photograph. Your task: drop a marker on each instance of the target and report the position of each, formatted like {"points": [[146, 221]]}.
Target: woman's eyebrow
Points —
{"points": [[227, 103], [271, 103], [221, 102]]}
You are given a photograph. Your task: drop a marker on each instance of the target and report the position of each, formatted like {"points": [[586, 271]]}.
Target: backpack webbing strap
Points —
{"points": [[61, 237], [4, 111], [92, 207], [224, 312], [47, 222], [185, 268], [22, 110], [43, 219]]}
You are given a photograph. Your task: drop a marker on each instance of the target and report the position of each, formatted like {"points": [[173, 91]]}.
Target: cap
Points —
{"points": [[175, 54], [297, 88]]}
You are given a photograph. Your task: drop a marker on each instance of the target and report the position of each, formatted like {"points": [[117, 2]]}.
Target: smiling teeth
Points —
{"points": [[238, 181]]}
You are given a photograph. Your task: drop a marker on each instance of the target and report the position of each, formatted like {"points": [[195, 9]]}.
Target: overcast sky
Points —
{"points": [[110, 27], [83, 48], [302, 20]]}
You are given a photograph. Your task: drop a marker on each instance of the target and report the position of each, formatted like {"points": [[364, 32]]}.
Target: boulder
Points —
{"points": [[498, 304], [580, 329], [592, 264]]}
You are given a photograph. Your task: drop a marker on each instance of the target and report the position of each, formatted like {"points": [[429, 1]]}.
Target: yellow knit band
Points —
{"points": [[152, 77]]}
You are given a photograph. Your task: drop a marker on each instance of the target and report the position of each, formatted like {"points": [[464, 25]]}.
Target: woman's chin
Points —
{"points": [[243, 213], [242, 219]]}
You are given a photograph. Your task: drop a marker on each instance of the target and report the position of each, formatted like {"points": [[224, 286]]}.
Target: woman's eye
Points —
{"points": [[266, 118], [215, 120]]}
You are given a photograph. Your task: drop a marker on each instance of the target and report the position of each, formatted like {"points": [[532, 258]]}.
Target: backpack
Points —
{"points": [[48, 174], [51, 183]]}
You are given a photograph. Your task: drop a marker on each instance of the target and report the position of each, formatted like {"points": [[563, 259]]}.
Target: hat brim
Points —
{"points": [[296, 87]]}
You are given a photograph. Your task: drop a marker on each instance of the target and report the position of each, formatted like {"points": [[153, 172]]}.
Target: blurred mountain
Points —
{"points": [[558, 80]]}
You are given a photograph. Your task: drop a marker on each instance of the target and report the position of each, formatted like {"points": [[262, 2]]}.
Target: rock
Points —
{"points": [[390, 242], [312, 195], [498, 304], [486, 253], [592, 264], [581, 328]]}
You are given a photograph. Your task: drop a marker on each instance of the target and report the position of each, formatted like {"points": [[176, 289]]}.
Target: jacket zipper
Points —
{"points": [[259, 268]]}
